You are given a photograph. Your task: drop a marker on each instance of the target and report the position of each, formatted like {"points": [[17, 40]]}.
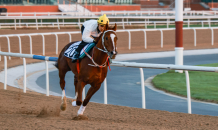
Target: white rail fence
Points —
{"points": [[114, 13], [114, 63], [78, 32], [78, 16], [146, 23]]}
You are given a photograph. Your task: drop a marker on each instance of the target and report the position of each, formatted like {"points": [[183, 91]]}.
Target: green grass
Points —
{"points": [[204, 85]]}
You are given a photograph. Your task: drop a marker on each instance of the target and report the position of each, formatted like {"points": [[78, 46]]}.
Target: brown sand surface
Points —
{"points": [[36, 111]]}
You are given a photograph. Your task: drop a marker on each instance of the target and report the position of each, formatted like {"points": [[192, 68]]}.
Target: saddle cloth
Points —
{"points": [[71, 51]]}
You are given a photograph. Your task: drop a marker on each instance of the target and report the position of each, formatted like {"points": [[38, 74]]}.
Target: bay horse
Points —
{"points": [[93, 70]]}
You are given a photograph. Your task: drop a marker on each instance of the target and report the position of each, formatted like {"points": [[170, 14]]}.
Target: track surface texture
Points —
{"points": [[36, 111]]}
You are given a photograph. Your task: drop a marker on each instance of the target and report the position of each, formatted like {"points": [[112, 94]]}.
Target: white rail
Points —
{"points": [[115, 13], [78, 32], [123, 23], [119, 64]]}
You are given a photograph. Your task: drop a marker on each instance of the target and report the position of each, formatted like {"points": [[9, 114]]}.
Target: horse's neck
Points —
{"points": [[99, 56]]}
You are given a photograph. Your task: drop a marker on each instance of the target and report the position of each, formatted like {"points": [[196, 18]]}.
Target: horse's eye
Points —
{"points": [[106, 38]]}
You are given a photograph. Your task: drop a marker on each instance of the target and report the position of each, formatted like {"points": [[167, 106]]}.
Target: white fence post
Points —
{"points": [[105, 91], [19, 22], [31, 47], [37, 24], [43, 45], [56, 43], [20, 49], [58, 23], [212, 37], [145, 39], [9, 48], [161, 34], [123, 23], [63, 22], [47, 78], [69, 37], [129, 39], [24, 75], [195, 40], [145, 23], [15, 24], [142, 88], [188, 23], [79, 23], [5, 68], [188, 92]]}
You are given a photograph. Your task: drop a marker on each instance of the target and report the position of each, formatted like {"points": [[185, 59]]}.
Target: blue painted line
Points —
{"points": [[43, 58]]}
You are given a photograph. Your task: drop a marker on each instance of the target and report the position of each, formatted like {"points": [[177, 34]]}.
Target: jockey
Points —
{"points": [[89, 30]]}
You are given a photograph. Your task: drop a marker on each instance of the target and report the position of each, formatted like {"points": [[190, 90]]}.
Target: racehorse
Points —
{"points": [[92, 69]]}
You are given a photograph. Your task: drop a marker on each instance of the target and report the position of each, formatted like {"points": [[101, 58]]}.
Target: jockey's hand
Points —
{"points": [[93, 36], [94, 41]]}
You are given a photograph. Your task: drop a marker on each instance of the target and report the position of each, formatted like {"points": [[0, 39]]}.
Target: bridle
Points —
{"points": [[103, 50]]}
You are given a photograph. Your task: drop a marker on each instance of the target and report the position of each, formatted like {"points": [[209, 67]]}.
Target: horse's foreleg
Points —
{"points": [[75, 84], [91, 92], [80, 86], [62, 84]]}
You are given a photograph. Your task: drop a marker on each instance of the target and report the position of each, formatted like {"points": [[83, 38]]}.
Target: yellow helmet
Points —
{"points": [[102, 20]]}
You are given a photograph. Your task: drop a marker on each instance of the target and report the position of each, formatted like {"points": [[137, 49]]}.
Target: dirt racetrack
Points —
{"points": [[36, 111]]}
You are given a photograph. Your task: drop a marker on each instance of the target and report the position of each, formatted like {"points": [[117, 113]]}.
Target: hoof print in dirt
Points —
{"points": [[80, 117]]}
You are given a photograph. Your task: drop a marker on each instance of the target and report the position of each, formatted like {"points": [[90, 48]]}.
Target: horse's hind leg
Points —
{"points": [[91, 92], [75, 84], [62, 74]]}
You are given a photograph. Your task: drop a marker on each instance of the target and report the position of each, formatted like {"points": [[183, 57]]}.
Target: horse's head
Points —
{"points": [[109, 40]]}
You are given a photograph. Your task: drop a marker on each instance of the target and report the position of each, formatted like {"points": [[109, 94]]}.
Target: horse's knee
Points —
{"points": [[62, 83], [78, 103]]}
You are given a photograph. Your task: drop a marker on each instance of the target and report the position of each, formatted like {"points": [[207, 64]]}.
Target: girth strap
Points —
{"points": [[77, 66]]}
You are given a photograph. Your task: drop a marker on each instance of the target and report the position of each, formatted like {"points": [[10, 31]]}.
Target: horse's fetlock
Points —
{"points": [[78, 103]]}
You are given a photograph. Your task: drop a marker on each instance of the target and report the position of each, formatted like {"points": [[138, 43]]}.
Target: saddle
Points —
{"points": [[71, 51]]}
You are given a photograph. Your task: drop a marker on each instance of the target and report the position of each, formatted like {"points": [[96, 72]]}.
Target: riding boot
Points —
{"points": [[78, 50], [75, 58]]}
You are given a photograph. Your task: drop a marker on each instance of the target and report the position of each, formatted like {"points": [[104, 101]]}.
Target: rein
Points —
{"points": [[105, 51]]}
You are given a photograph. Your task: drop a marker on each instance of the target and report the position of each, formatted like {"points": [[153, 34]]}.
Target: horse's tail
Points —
{"points": [[56, 64]]}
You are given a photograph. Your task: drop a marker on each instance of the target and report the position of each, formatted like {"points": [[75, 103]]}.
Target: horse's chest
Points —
{"points": [[97, 77]]}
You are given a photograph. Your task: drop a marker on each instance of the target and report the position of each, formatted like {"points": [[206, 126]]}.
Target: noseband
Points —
{"points": [[105, 51]]}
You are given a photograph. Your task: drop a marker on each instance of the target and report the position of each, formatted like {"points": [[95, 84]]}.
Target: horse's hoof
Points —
{"points": [[64, 104], [63, 107], [80, 117]]}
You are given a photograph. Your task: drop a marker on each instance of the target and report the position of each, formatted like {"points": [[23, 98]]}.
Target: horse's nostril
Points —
{"points": [[113, 52]]}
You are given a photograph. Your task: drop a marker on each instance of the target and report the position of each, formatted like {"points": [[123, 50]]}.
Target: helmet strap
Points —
{"points": [[98, 29]]}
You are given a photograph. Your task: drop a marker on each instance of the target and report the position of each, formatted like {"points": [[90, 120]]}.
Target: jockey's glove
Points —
{"points": [[94, 41]]}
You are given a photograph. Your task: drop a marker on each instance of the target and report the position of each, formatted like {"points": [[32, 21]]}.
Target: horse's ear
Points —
{"points": [[115, 27], [106, 27]]}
